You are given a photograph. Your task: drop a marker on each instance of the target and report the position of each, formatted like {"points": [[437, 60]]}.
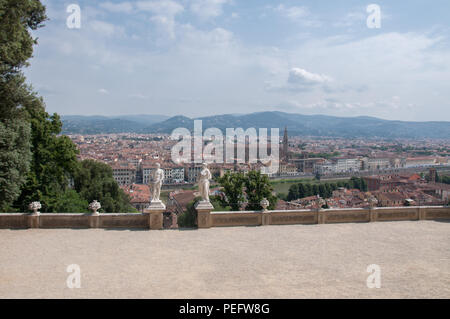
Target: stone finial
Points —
{"points": [[372, 201], [264, 203], [35, 206], [94, 207]]}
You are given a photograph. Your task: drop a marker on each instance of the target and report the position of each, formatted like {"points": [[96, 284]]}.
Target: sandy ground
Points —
{"points": [[301, 261]]}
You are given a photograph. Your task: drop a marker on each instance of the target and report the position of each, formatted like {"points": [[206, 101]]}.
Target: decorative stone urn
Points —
{"points": [[264, 203], [373, 202], [94, 207], [35, 206]]}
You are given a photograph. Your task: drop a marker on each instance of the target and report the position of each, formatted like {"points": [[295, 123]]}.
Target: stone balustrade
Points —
{"points": [[322, 216], [153, 218]]}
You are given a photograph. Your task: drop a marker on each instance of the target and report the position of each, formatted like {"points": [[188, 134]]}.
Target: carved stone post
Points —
{"points": [[265, 213], [321, 216], [421, 213], [94, 218], [155, 212], [204, 210], [33, 218], [372, 214]]}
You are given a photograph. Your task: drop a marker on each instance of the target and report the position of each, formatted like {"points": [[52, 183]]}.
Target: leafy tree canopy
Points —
{"points": [[233, 187], [17, 19], [257, 186], [94, 181]]}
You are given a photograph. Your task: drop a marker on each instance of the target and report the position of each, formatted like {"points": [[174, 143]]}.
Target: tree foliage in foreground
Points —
{"points": [[251, 188], [15, 158], [17, 19], [188, 219], [53, 161], [94, 181], [36, 163], [233, 187], [258, 187]]}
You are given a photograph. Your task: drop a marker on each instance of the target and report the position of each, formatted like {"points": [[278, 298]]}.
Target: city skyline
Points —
{"points": [[200, 58]]}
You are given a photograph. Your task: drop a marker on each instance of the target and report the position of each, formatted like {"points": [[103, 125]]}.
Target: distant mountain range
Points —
{"points": [[78, 124], [297, 124]]}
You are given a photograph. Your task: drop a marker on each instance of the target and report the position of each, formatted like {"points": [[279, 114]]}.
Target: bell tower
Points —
{"points": [[285, 156]]}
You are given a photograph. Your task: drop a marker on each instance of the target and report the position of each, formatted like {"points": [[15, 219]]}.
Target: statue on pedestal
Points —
{"points": [[157, 180], [203, 183]]}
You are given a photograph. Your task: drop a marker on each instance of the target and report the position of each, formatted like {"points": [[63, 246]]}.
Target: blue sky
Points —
{"points": [[204, 57]]}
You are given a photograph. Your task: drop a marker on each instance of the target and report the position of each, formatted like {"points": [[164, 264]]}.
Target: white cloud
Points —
{"points": [[297, 14], [300, 80], [206, 9], [106, 29], [195, 40], [302, 77], [166, 8], [293, 13], [103, 91], [164, 12], [122, 7]]}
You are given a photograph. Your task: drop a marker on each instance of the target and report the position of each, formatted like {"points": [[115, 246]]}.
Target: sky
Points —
{"points": [[205, 57]]}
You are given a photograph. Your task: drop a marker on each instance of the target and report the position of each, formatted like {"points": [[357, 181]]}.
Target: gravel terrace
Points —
{"points": [[298, 261]]}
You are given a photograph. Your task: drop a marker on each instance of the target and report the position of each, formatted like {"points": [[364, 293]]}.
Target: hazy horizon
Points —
{"points": [[241, 114]]}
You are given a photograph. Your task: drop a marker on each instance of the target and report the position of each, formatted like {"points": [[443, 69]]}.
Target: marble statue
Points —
{"points": [[157, 180], [203, 182]]}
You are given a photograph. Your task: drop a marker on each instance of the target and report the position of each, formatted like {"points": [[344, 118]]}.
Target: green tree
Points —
{"points": [[308, 190], [445, 179], [322, 190], [356, 182], [293, 193], [94, 181], [54, 157], [217, 202], [233, 187], [15, 158], [364, 187], [17, 19], [188, 219], [328, 190], [257, 187], [68, 202], [301, 190], [314, 190]]}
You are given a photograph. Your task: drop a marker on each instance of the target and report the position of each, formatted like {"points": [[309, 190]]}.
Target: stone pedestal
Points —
{"points": [[372, 215], [155, 211], [321, 218], [33, 220], [421, 212], [265, 218], [94, 220], [204, 209]]}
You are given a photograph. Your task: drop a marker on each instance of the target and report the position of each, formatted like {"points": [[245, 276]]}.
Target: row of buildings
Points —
{"points": [[126, 173], [140, 172], [357, 164]]}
